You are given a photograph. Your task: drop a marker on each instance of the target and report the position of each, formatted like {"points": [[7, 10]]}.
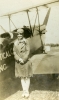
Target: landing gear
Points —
{"points": [[55, 76]]}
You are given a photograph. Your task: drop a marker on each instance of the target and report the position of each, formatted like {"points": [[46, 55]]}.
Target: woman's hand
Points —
{"points": [[21, 61]]}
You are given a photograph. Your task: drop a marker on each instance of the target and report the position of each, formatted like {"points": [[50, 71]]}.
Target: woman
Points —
{"points": [[23, 66]]}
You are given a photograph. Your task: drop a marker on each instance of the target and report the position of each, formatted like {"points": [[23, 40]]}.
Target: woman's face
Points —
{"points": [[20, 37]]}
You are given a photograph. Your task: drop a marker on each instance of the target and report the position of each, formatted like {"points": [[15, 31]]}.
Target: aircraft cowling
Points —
{"points": [[6, 59]]}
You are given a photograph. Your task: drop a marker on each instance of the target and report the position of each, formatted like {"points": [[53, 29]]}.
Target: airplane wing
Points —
{"points": [[45, 63], [11, 7], [9, 11]]}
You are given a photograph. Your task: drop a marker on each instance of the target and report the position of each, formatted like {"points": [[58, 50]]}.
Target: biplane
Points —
{"points": [[18, 15]]}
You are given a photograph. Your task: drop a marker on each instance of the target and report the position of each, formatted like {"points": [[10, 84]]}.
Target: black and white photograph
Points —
{"points": [[29, 49]]}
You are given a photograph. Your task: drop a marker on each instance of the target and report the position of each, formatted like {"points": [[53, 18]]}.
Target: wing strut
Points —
{"points": [[34, 23], [9, 23], [29, 22], [39, 28], [13, 23], [47, 17], [2, 28]]}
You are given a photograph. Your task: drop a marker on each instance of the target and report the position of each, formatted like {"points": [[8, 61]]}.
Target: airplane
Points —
{"points": [[32, 32]]}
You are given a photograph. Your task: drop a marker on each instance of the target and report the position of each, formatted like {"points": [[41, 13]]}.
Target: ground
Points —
{"points": [[42, 87]]}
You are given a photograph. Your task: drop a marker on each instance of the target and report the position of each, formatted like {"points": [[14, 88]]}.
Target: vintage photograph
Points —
{"points": [[29, 49]]}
